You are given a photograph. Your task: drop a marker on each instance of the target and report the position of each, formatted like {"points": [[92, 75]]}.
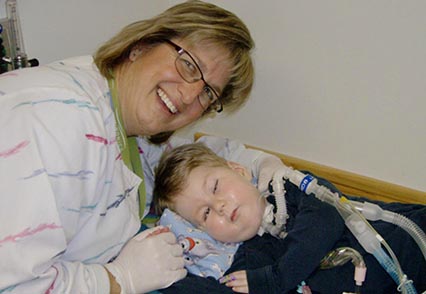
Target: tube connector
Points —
{"points": [[359, 275], [309, 185], [340, 256], [366, 237], [369, 210]]}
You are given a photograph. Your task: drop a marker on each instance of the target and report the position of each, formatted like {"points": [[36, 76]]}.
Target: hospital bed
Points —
{"points": [[351, 183]]}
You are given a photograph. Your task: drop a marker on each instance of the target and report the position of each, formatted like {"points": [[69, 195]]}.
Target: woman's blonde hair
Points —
{"points": [[197, 22], [174, 168]]}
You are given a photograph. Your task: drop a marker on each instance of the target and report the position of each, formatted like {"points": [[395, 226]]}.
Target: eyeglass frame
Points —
{"points": [[219, 106]]}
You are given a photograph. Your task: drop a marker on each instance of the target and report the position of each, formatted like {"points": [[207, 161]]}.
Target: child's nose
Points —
{"points": [[220, 207]]}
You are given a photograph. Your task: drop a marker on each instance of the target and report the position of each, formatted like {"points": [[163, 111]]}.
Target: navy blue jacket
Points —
{"points": [[314, 228]]}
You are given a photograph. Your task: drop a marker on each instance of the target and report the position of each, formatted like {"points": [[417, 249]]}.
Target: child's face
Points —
{"points": [[222, 202]]}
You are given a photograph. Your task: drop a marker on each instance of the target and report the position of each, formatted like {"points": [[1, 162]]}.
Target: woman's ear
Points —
{"points": [[135, 53], [242, 170]]}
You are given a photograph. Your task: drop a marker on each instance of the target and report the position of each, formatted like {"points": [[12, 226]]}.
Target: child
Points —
{"points": [[218, 198]]}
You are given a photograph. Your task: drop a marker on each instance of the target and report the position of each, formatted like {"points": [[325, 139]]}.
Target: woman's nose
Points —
{"points": [[190, 91]]}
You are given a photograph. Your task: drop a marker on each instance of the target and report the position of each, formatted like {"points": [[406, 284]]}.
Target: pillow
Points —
{"points": [[203, 255]]}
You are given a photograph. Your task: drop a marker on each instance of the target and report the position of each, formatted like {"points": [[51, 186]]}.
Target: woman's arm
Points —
{"points": [[48, 187]]}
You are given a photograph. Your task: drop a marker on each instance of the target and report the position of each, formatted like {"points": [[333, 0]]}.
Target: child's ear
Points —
{"points": [[242, 170]]}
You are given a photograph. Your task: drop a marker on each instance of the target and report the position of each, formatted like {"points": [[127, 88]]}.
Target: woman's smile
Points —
{"points": [[169, 104], [155, 98]]}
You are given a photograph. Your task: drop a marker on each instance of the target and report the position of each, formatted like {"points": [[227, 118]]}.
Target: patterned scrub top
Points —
{"points": [[69, 203]]}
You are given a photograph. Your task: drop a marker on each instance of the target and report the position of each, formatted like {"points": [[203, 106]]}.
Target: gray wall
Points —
{"points": [[340, 83]]}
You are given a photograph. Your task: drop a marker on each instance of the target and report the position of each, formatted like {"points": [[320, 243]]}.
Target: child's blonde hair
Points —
{"points": [[174, 168]]}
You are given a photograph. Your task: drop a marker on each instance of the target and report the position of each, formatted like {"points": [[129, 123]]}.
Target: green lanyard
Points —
{"points": [[128, 147]]}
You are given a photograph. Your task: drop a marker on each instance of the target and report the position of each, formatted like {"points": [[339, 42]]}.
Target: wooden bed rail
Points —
{"points": [[351, 183]]}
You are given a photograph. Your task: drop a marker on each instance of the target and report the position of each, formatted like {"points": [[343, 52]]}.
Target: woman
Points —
{"points": [[72, 182]]}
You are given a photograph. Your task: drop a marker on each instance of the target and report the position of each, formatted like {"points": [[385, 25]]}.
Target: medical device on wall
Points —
{"points": [[355, 215], [12, 51]]}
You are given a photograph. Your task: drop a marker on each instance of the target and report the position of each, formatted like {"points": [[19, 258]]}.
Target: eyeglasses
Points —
{"points": [[189, 70]]}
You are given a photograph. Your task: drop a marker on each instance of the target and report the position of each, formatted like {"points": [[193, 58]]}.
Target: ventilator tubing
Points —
{"points": [[278, 187], [371, 241], [386, 262], [374, 212], [360, 227]]}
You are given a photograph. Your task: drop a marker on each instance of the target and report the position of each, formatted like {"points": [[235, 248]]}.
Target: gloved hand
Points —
{"points": [[266, 166], [148, 262]]}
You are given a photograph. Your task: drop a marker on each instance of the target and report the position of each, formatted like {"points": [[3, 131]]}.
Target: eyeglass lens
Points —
{"points": [[188, 68]]}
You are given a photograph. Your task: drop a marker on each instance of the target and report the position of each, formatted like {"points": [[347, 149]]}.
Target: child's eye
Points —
{"points": [[206, 214], [216, 184]]}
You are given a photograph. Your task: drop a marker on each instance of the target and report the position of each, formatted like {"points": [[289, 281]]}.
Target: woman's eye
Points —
{"points": [[209, 93], [206, 214], [189, 66]]}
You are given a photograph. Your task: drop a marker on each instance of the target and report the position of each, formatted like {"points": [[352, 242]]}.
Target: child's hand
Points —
{"points": [[237, 281]]}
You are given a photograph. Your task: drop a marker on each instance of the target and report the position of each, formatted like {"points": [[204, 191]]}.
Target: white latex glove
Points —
{"points": [[265, 167], [148, 262]]}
